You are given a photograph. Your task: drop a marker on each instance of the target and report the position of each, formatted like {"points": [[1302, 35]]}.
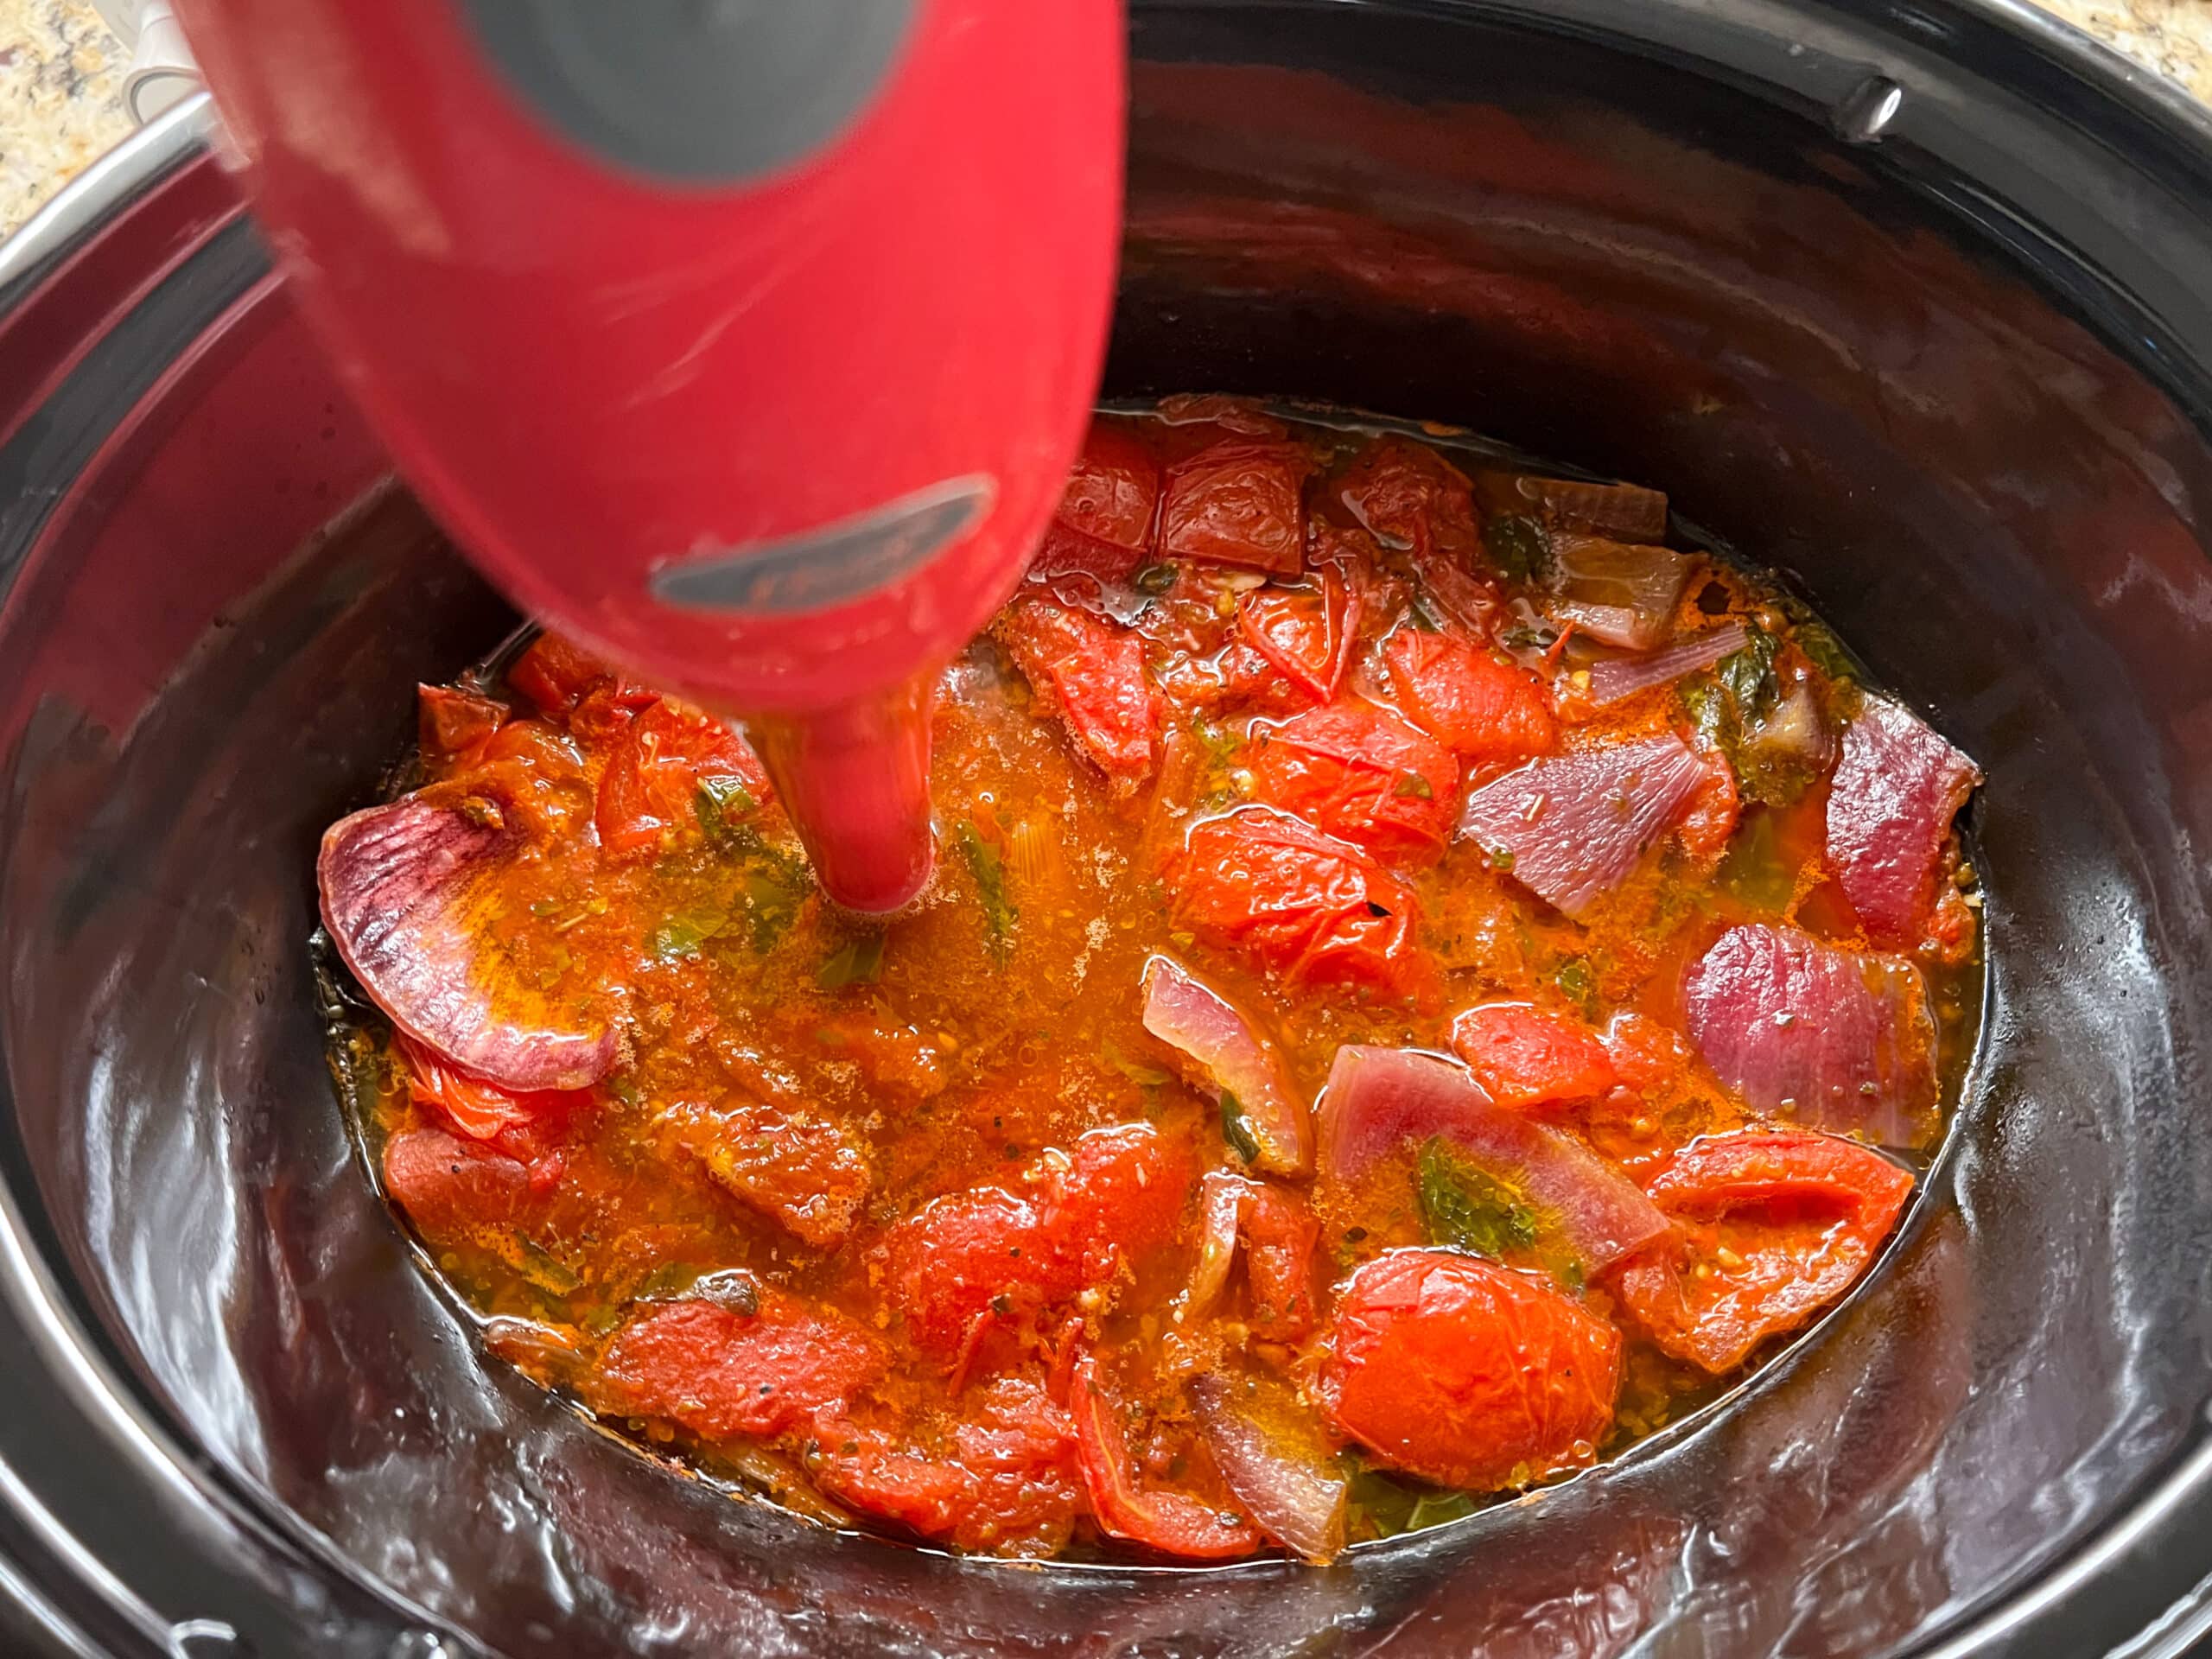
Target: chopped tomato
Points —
{"points": [[1020, 1449], [1093, 671], [553, 673], [1484, 710], [1709, 820], [1238, 503], [1280, 1234], [652, 778], [1103, 527], [867, 1469], [1312, 910], [1365, 776], [984, 1255], [450, 723], [799, 1169], [1409, 496], [1120, 1199], [479, 1109], [1304, 634], [1526, 1056], [448, 1185], [971, 1254], [722, 1372], [1772, 1225], [605, 711], [1173, 1523], [1467, 1373]]}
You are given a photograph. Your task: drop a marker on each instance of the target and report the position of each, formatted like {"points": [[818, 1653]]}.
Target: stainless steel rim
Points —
{"points": [[134, 166]]}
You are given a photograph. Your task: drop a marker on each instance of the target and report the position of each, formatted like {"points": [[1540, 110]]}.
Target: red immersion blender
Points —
{"points": [[746, 341]]}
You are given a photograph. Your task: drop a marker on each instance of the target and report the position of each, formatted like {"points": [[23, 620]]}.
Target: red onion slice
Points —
{"points": [[1379, 1100], [1628, 512], [407, 894], [1190, 1016], [1620, 593], [1897, 788], [1573, 826], [1221, 1207], [1620, 677], [1274, 1466], [1833, 1039]]}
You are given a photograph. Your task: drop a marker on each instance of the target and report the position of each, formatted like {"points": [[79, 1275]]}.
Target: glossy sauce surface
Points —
{"points": [[1308, 734]]}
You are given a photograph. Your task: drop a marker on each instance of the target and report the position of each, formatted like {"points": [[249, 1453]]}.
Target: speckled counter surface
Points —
{"points": [[62, 79], [61, 98]]}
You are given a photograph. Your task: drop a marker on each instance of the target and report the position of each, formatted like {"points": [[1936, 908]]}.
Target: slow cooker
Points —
{"points": [[1909, 299]]}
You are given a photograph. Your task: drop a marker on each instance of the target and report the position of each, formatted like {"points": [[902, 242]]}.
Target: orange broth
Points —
{"points": [[793, 1084]]}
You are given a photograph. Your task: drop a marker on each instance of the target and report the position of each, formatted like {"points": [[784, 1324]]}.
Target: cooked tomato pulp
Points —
{"points": [[1427, 982]]}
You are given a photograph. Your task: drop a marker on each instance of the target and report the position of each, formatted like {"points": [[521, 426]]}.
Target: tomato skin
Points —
{"points": [[1483, 709], [969, 1254], [1122, 1200], [1238, 503], [452, 724], [653, 773], [1117, 1195], [1105, 525], [448, 1185], [1463, 1372], [1305, 635], [1800, 1215], [1309, 909], [1405, 494], [479, 1109], [1526, 1056], [723, 1374], [1173, 1523], [1019, 1448], [1709, 821], [553, 673], [1362, 775], [1093, 671]]}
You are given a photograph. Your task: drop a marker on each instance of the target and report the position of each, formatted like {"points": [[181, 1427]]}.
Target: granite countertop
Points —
{"points": [[62, 79]]}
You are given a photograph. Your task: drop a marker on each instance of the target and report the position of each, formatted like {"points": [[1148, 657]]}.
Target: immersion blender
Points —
{"points": [[748, 342]]}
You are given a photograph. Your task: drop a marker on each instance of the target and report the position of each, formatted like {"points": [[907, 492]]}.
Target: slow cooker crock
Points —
{"points": [[1912, 301]]}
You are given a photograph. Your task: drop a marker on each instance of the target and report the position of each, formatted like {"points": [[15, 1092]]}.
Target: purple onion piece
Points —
{"points": [[1571, 828], [1835, 1039], [1379, 1100], [1232, 1058], [1620, 677], [408, 892]]}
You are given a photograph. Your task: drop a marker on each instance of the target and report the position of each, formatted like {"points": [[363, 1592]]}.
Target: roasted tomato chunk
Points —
{"points": [[793, 1166], [988, 1255], [1174, 1524], [448, 1185], [1363, 776], [1467, 1373], [1309, 909], [660, 761], [553, 673], [1773, 1225], [1529, 1057], [1238, 504], [1092, 671], [1304, 634], [722, 1372], [1482, 709], [451, 724], [1408, 496], [1103, 527]]}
